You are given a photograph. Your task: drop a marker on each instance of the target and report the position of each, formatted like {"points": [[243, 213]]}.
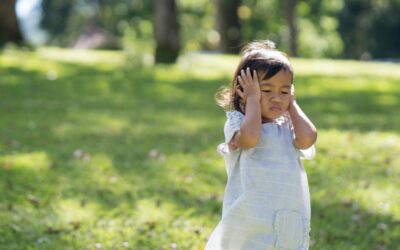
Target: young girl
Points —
{"points": [[267, 202]]}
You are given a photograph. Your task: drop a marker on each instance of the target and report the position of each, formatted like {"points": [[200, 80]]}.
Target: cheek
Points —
{"points": [[264, 99], [286, 101]]}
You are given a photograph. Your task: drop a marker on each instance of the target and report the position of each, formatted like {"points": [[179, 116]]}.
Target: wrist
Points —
{"points": [[253, 106], [253, 98], [292, 106]]}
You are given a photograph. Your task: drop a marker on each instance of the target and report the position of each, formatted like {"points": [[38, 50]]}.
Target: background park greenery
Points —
{"points": [[97, 155], [366, 29], [108, 150]]}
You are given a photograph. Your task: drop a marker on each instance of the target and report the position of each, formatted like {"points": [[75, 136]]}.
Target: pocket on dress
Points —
{"points": [[290, 230]]}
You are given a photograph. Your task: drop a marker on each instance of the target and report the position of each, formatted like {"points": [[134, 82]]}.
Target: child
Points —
{"points": [[267, 202]]}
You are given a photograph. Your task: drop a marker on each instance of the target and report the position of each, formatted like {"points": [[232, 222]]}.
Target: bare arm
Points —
{"points": [[249, 133], [305, 133]]}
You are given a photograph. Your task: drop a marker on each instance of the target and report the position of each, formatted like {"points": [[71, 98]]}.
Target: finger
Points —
{"points": [[243, 76], [255, 77], [240, 80], [240, 93], [248, 74]]}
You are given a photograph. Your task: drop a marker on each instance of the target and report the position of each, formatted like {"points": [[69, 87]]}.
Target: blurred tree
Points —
{"points": [[291, 19], [228, 25], [166, 31], [9, 27], [56, 14], [370, 29], [355, 21]]}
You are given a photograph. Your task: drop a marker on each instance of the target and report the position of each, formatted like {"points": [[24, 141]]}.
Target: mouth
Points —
{"points": [[275, 108]]}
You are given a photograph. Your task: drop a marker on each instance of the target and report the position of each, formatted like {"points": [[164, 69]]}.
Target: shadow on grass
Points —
{"points": [[345, 225]]}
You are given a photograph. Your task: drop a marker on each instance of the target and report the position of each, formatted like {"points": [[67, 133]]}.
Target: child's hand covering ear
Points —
{"points": [[292, 94], [292, 91]]}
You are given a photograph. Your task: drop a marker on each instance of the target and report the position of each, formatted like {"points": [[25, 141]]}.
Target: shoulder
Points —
{"points": [[232, 126], [234, 115], [234, 120]]}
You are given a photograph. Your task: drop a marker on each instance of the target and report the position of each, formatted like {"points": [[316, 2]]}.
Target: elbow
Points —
{"points": [[249, 144], [307, 142], [249, 140]]}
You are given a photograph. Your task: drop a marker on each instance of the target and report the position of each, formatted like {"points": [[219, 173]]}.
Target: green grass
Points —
{"points": [[95, 154]]}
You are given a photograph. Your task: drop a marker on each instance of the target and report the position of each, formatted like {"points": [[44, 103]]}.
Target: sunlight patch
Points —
{"points": [[91, 124], [347, 68], [34, 160], [148, 210], [70, 211], [101, 162], [198, 64], [381, 199], [387, 100], [81, 56]]}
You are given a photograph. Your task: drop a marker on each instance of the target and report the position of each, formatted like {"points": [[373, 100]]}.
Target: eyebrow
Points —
{"points": [[269, 84]]}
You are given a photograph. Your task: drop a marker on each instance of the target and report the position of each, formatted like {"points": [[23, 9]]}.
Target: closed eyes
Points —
{"points": [[269, 91]]}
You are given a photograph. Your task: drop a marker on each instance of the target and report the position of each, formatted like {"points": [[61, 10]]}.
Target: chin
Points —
{"points": [[267, 119], [271, 118]]}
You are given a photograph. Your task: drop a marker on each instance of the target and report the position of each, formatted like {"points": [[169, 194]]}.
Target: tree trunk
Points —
{"points": [[291, 19], [228, 25], [9, 27], [166, 31]]}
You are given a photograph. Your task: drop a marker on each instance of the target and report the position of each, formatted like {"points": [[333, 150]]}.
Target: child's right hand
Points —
{"points": [[250, 85]]}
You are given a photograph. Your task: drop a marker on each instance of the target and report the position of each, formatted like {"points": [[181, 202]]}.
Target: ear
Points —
{"points": [[243, 107]]}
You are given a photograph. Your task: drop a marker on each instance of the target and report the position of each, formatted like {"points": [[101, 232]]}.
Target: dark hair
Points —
{"points": [[260, 56]]}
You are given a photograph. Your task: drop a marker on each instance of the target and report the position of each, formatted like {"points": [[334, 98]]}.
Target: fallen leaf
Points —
{"points": [[7, 165], [35, 201], [52, 230]]}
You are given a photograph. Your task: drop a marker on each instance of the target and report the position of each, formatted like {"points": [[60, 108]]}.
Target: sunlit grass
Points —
{"points": [[95, 154], [33, 160]]}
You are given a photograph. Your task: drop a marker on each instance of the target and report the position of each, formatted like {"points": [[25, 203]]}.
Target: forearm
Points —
{"points": [[304, 130], [251, 126]]}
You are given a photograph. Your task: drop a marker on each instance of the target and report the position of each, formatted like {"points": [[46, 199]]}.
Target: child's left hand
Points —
{"points": [[292, 95]]}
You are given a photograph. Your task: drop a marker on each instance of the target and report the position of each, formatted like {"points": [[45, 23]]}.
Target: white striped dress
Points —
{"points": [[266, 202]]}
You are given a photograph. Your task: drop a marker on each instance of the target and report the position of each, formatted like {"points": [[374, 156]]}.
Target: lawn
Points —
{"points": [[97, 154]]}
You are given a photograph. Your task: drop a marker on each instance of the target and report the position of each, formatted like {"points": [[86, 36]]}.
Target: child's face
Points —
{"points": [[275, 95]]}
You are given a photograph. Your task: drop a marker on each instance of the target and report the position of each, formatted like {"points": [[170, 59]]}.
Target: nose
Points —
{"points": [[276, 97]]}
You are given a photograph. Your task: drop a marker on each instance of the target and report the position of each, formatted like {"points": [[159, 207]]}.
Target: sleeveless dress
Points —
{"points": [[266, 202]]}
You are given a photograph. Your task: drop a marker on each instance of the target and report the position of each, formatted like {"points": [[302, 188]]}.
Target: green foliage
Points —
{"points": [[370, 28], [96, 154], [138, 44], [197, 24], [318, 29], [54, 15], [333, 29], [321, 41], [65, 21], [264, 22]]}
